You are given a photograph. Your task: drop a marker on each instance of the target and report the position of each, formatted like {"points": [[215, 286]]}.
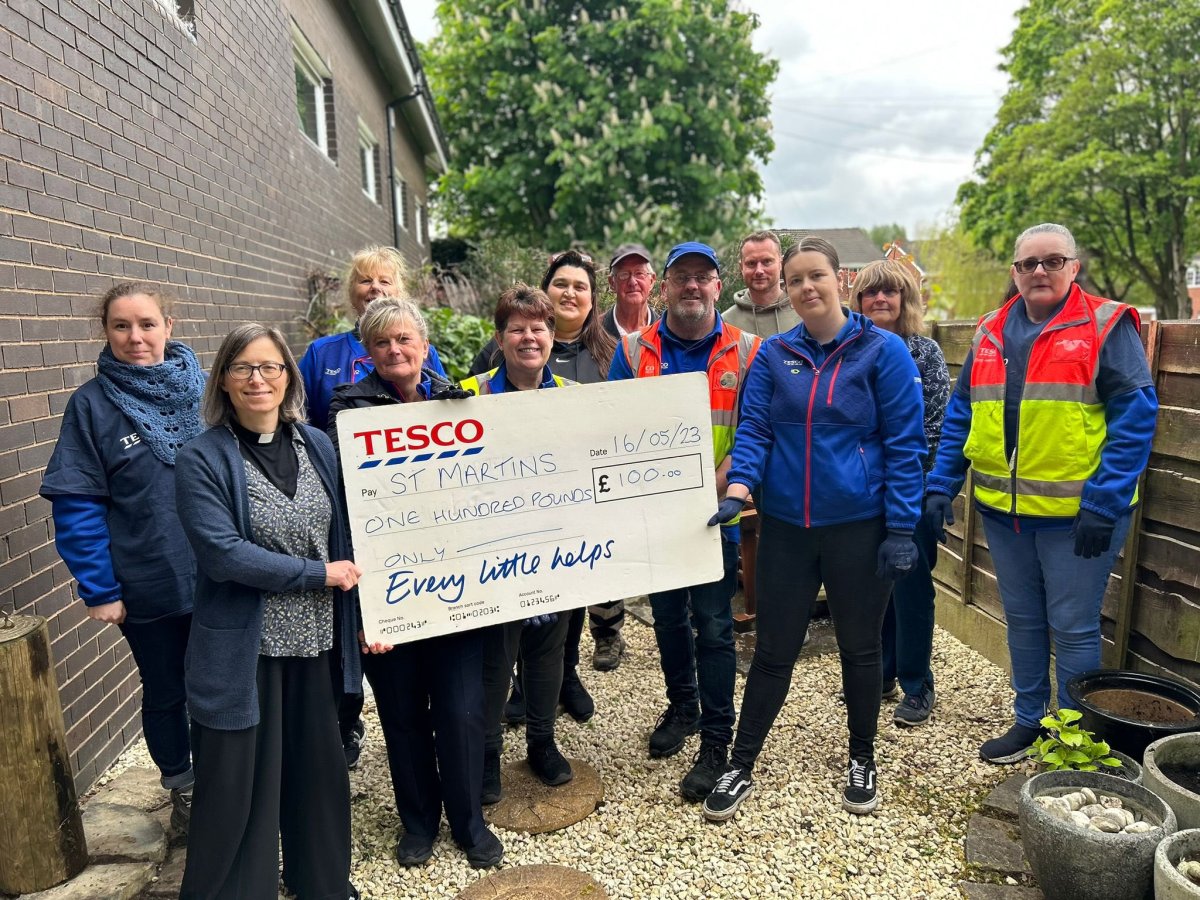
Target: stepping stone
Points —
{"points": [[122, 834], [535, 883], [995, 846], [138, 787], [534, 808], [170, 877], [1002, 802], [120, 881], [974, 891]]}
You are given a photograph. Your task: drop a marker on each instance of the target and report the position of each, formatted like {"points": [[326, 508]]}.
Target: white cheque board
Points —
{"points": [[470, 512]]}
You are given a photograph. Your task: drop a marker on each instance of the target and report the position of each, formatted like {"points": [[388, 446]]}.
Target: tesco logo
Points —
{"points": [[420, 437]]}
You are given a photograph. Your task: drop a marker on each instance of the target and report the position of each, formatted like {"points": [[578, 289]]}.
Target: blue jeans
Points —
{"points": [[1049, 592], [908, 622], [694, 630], [158, 649]]}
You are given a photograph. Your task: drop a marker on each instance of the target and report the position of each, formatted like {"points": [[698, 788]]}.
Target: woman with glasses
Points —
{"points": [[1054, 411], [525, 325], [111, 486], [258, 495], [888, 294], [428, 693]]}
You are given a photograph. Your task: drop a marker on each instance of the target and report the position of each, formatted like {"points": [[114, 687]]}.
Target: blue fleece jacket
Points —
{"points": [[340, 359], [833, 433], [233, 572]]}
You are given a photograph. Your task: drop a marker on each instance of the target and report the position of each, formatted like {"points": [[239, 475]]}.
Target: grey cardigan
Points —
{"points": [[220, 669]]}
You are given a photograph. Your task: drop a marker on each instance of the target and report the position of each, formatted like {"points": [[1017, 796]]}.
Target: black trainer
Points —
{"points": [[486, 852], [734, 786], [352, 744], [861, 795], [550, 766], [672, 729], [414, 849], [491, 777], [1010, 747], [915, 709], [707, 766], [575, 697]]}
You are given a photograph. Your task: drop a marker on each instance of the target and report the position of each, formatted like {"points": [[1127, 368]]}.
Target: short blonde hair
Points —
{"points": [[893, 275], [385, 314], [216, 406], [376, 259]]}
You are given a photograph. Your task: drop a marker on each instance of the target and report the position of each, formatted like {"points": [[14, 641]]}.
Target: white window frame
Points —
{"points": [[419, 223], [1193, 276], [368, 158], [400, 200], [315, 72]]}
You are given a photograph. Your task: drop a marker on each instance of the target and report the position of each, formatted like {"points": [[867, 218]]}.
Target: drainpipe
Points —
{"points": [[389, 111]]}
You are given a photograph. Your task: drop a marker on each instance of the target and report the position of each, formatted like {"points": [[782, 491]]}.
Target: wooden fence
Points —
{"points": [[1151, 613]]}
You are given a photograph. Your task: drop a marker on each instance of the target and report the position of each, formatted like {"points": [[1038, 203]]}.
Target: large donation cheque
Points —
{"points": [[466, 513]]}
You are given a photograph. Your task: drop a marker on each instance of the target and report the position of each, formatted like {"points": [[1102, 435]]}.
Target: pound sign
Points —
{"points": [[603, 484]]}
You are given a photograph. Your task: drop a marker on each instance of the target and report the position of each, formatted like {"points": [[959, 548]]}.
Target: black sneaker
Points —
{"points": [[607, 655], [514, 709], [672, 729], [861, 795], [485, 853], [352, 892], [414, 849], [732, 788], [915, 709], [575, 698], [181, 809], [707, 766], [1010, 747], [550, 766], [890, 690], [491, 777], [352, 744]]}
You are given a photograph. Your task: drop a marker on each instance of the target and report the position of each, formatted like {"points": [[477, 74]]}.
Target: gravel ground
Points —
{"points": [[790, 839]]}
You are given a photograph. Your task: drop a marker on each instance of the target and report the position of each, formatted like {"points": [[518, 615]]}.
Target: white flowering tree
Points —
{"points": [[598, 122]]}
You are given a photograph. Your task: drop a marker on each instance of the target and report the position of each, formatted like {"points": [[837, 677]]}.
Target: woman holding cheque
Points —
{"points": [[831, 440], [429, 693], [525, 332]]}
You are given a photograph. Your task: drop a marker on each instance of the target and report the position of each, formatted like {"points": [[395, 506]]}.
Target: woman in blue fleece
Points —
{"points": [[259, 499], [831, 441], [111, 485]]}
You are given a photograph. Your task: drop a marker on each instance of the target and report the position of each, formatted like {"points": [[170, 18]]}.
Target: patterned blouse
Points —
{"points": [[935, 385], [295, 623]]}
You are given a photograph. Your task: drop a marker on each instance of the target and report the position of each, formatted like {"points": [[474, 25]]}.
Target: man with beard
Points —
{"points": [[762, 308]]}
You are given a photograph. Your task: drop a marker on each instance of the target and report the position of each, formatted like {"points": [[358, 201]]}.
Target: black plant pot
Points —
{"points": [[1130, 710]]}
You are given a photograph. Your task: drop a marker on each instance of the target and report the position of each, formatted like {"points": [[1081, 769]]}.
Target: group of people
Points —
{"points": [[204, 516]]}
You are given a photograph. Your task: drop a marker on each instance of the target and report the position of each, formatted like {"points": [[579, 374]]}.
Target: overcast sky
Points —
{"points": [[878, 109]]}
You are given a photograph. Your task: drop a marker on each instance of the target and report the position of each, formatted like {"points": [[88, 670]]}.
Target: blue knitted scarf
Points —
{"points": [[162, 401]]}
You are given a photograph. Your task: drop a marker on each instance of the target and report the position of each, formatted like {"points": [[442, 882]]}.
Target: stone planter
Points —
{"points": [[1132, 709], [1178, 750], [1168, 883], [1071, 863]]}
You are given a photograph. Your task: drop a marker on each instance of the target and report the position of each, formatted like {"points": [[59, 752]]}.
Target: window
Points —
{"points": [[314, 94], [182, 12], [400, 199], [1193, 275], [368, 157], [419, 223]]}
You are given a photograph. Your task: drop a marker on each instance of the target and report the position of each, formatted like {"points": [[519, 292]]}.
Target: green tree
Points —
{"points": [[885, 234], [595, 122], [964, 281], [1099, 130]]}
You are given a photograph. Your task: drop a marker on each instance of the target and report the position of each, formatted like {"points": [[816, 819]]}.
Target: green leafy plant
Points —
{"points": [[1069, 746], [325, 313], [458, 337]]}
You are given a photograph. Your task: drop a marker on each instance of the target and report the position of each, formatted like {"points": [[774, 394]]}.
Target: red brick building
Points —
{"points": [[225, 148]]}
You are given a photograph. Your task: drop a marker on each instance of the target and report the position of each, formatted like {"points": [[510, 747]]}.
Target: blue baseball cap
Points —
{"points": [[690, 248]]}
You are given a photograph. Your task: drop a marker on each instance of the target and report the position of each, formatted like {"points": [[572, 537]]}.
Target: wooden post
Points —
{"points": [[1124, 620], [41, 832], [968, 548], [744, 621]]}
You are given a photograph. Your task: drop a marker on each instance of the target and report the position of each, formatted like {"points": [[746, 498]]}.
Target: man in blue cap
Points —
{"points": [[698, 666]]}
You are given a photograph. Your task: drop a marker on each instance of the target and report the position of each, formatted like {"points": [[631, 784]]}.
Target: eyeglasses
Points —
{"points": [[245, 371], [1050, 264], [681, 280], [625, 277], [584, 258]]}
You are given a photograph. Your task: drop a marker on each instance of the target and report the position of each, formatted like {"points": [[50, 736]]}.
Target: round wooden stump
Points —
{"points": [[532, 807], [535, 883]]}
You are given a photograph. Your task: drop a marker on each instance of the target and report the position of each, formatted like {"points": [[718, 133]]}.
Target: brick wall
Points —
{"points": [[130, 149]]}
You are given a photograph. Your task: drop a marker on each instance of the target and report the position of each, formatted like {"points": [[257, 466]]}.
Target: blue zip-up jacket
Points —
{"points": [[340, 359], [233, 572], [836, 433]]}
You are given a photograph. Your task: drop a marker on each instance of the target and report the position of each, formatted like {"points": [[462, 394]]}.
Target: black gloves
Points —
{"points": [[452, 392], [1092, 532], [540, 620], [939, 511], [727, 510], [896, 556]]}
